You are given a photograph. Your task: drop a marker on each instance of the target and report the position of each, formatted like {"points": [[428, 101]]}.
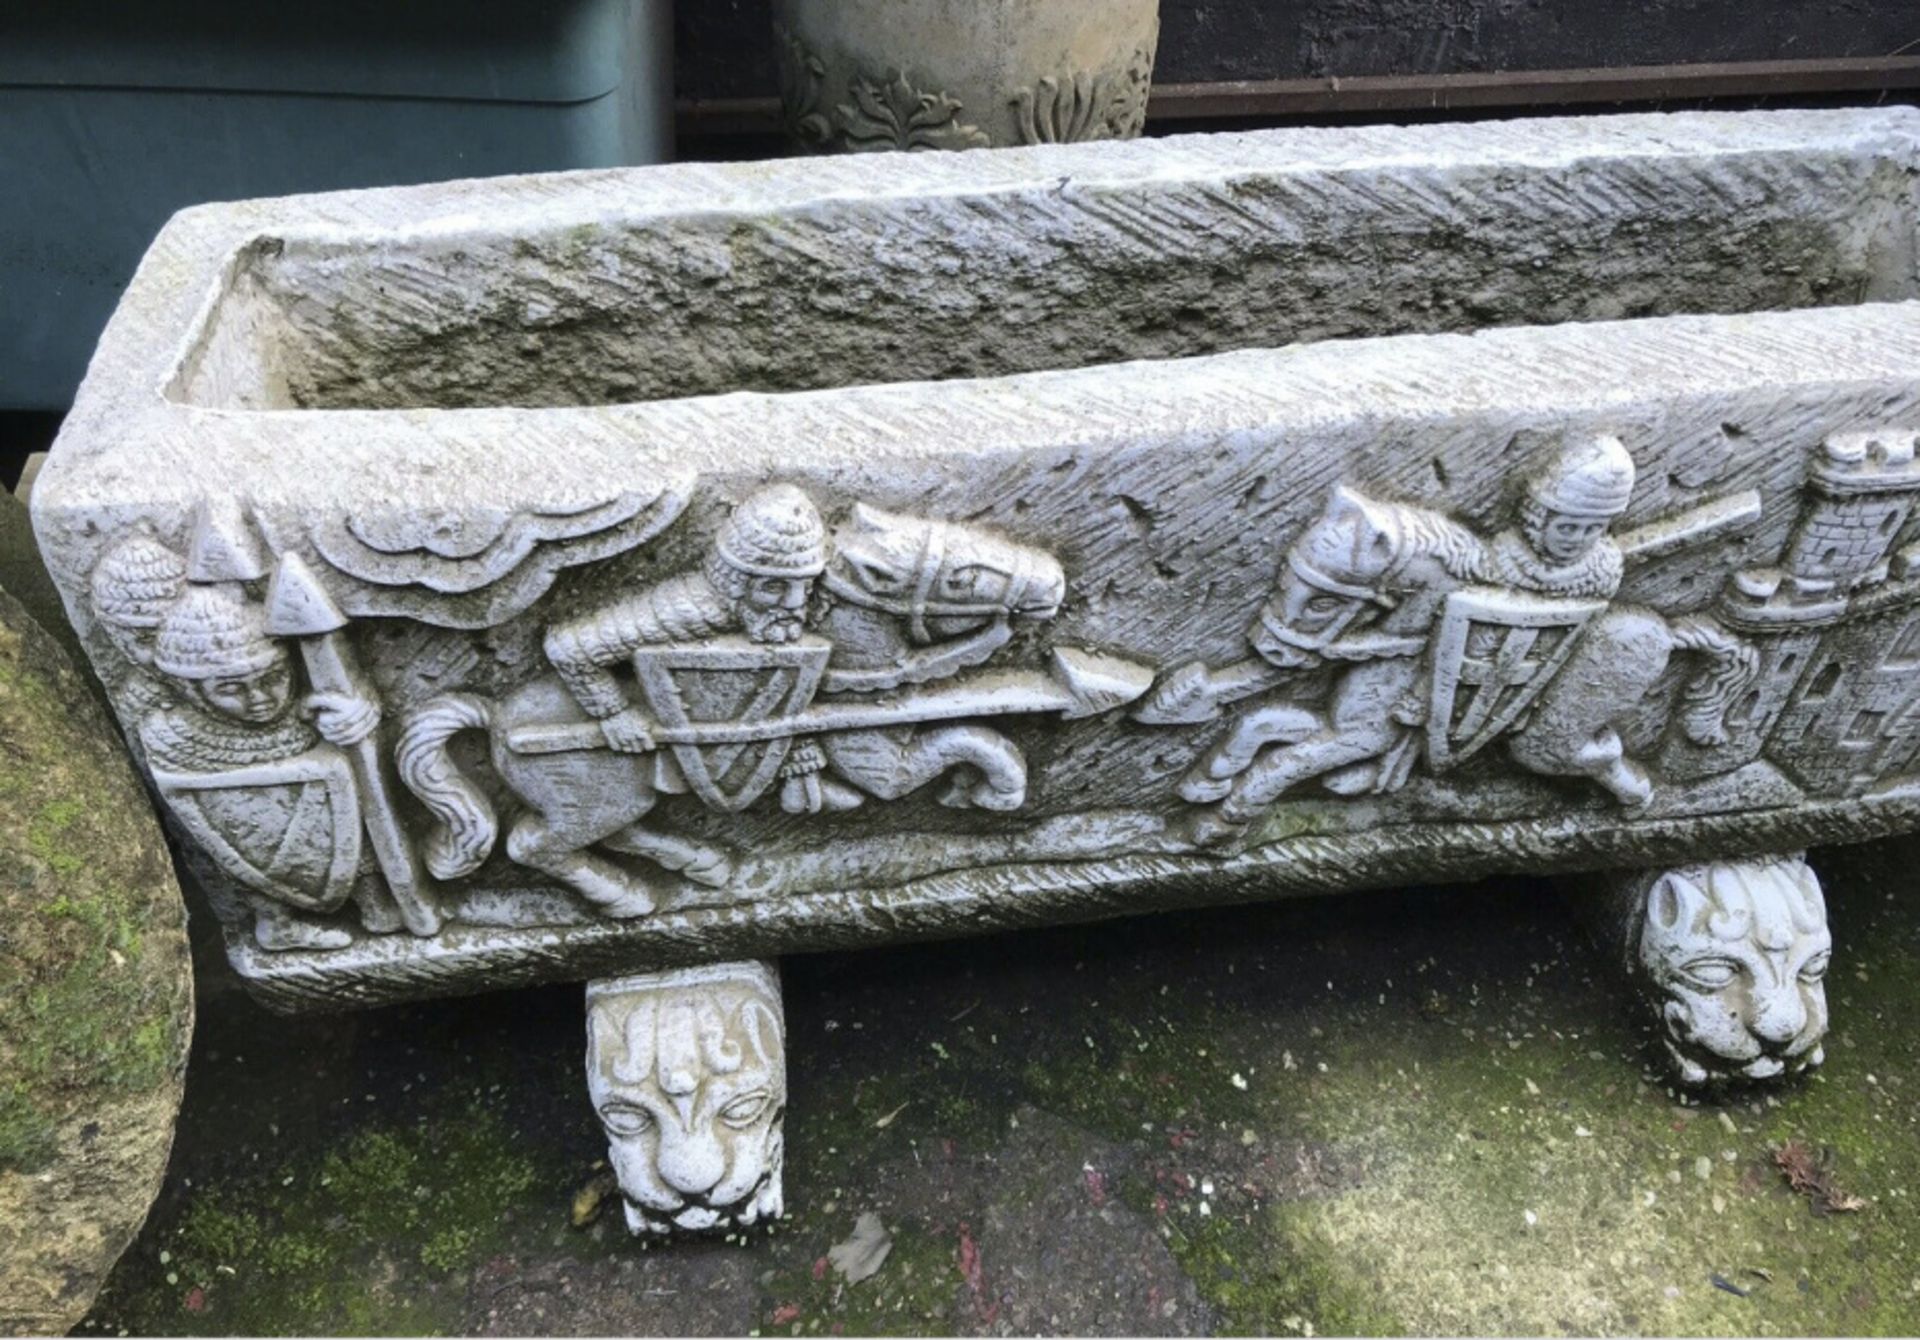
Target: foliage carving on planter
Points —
{"points": [[801, 74], [893, 114], [1084, 106]]}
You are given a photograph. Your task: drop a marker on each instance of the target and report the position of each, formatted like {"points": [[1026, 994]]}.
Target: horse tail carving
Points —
{"points": [[1731, 669], [466, 827]]}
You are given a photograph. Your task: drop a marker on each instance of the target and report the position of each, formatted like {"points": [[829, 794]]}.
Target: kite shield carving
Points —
{"points": [[1494, 653], [731, 680]]}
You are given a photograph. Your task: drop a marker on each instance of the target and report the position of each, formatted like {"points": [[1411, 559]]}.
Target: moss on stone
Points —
{"points": [[320, 1244], [1335, 1116], [92, 963], [1520, 1172], [913, 1294]]}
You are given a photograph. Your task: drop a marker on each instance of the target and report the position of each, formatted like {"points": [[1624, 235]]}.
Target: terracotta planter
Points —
{"points": [[963, 74]]}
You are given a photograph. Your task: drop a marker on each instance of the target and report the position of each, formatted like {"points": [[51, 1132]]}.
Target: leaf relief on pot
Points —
{"points": [[891, 113], [1083, 106], [801, 75]]}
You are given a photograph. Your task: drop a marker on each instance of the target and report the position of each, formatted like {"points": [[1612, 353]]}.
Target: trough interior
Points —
{"points": [[854, 291]]}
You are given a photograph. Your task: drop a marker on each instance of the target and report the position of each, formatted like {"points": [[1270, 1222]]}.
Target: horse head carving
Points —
{"points": [[942, 579]]}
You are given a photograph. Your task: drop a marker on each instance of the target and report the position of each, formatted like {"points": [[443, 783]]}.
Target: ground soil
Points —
{"points": [[1425, 1111]]}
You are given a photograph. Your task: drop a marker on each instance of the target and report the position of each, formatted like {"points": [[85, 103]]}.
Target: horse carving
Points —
{"points": [[1438, 645], [830, 673]]}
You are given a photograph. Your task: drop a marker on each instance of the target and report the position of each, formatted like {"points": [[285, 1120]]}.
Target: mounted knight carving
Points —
{"points": [[825, 671], [1396, 636]]}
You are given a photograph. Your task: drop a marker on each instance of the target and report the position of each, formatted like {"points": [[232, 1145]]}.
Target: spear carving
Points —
{"points": [[299, 607]]}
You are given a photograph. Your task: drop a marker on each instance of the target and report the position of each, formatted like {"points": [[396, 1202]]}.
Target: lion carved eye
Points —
{"points": [[746, 1109], [626, 1119], [1710, 974], [1816, 967]]}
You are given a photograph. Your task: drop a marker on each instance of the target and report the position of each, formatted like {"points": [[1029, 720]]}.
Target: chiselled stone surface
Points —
{"points": [[474, 643]]}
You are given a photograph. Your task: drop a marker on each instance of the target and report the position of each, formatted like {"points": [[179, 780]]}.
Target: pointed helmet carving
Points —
{"points": [[136, 583], [1591, 476], [777, 532], [213, 632]]}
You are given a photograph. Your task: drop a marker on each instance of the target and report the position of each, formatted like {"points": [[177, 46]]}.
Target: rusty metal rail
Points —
{"points": [[1175, 103]]}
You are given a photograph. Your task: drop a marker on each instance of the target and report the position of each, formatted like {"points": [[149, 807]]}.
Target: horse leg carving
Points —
{"points": [[1280, 770], [991, 772], [1212, 777], [537, 844], [692, 860]]}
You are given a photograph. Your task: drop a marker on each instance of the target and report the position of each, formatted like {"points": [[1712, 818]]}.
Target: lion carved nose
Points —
{"points": [[692, 1166], [1781, 1018]]}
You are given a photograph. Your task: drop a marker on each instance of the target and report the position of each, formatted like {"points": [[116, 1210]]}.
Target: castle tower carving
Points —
{"points": [[1837, 625]]}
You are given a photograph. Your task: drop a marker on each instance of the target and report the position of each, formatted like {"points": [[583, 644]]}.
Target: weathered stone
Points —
{"points": [[96, 997], [1733, 957], [608, 673], [1422, 1067], [688, 1073], [963, 74]]}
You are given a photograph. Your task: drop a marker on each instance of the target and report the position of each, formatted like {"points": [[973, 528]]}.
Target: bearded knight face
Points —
{"points": [[774, 609], [687, 1071]]}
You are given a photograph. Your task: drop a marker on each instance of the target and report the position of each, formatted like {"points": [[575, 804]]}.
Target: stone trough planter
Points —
{"points": [[601, 576]]}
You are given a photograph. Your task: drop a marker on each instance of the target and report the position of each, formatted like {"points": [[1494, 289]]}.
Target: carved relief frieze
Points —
{"points": [[821, 673], [682, 731], [1433, 645]]}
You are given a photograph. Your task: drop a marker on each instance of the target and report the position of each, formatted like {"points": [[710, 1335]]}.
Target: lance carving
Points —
{"points": [[824, 672], [1429, 645]]}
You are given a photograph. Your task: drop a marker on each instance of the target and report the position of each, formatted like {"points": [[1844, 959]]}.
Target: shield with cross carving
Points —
{"points": [[1497, 648]]}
